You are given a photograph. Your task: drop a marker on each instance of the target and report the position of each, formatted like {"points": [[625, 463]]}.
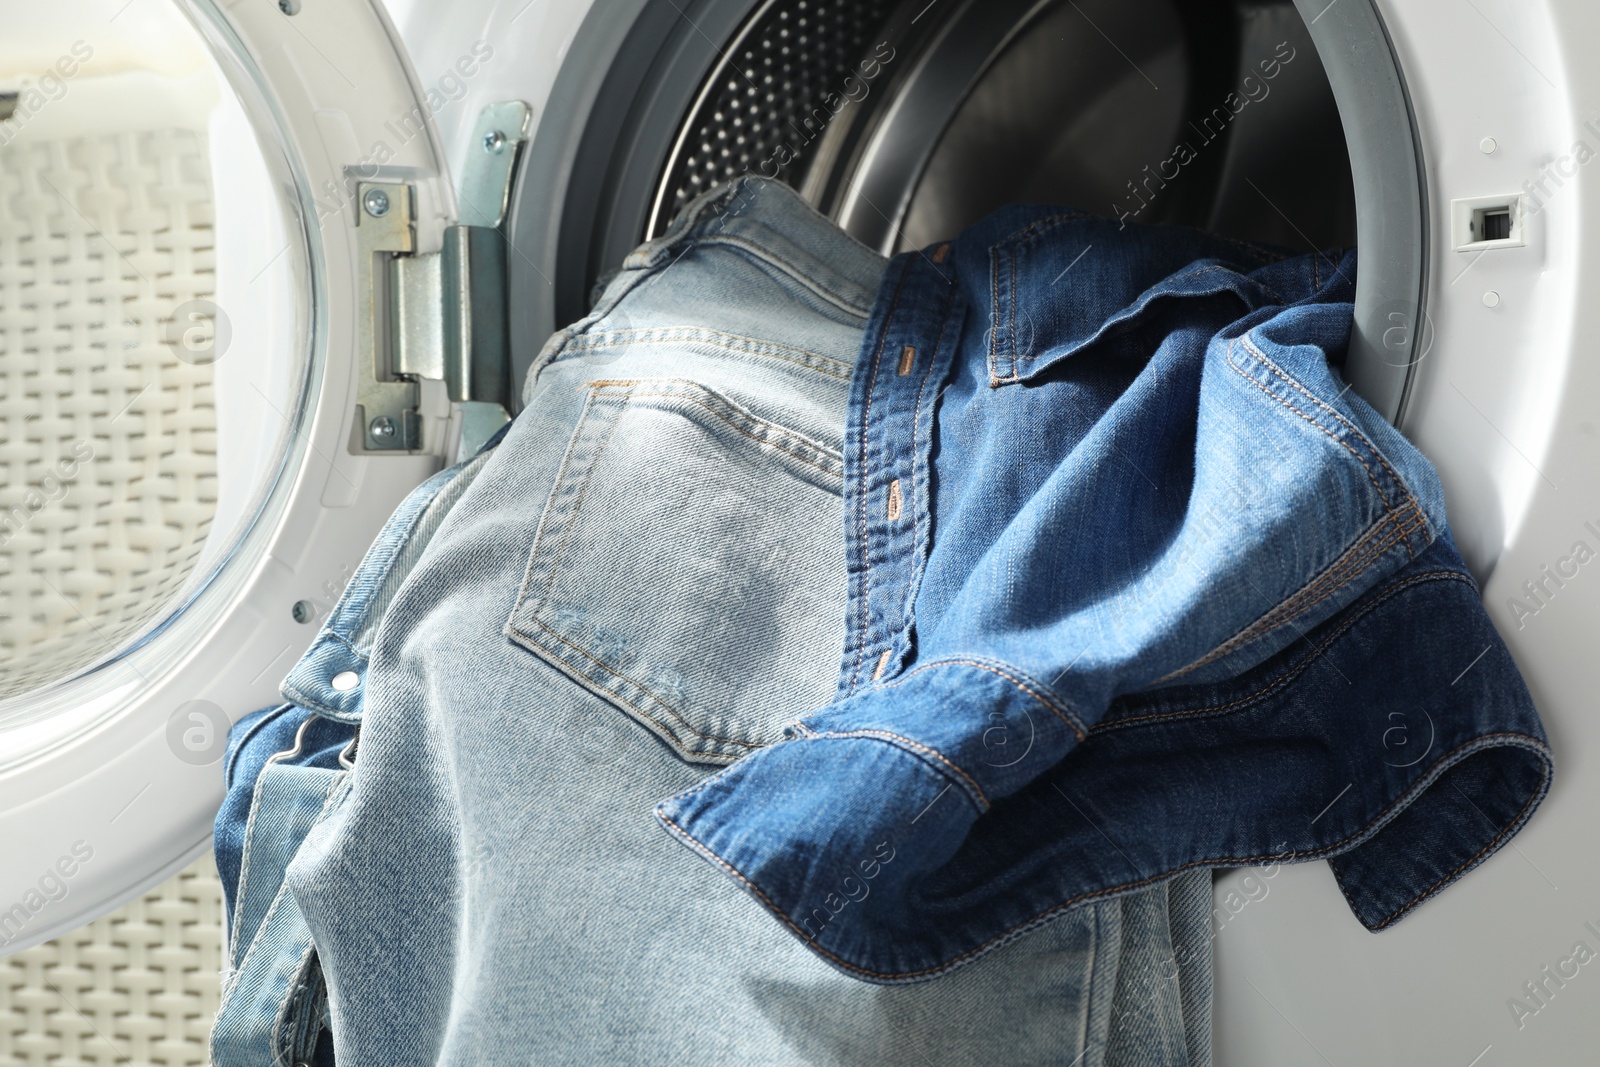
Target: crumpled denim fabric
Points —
{"points": [[646, 577], [287, 768], [1137, 586]]}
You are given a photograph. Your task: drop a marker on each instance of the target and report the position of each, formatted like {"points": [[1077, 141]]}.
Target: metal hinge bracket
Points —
{"points": [[439, 315]]}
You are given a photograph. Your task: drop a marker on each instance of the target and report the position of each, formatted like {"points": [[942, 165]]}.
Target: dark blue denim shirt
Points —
{"points": [[1137, 584]]}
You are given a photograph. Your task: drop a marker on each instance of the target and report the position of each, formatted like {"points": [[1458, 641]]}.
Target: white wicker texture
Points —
{"points": [[107, 438], [139, 986]]}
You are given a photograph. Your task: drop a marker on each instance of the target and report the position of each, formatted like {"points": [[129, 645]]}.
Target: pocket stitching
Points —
{"points": [[617, 393], [623, 677], [788, 434], [833, 368]]}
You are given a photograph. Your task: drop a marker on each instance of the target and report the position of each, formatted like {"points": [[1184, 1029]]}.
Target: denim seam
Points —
{"points": [[534, 641], [994, 319], [529, 610], [920, 478], [1355, 432], [281, 1043], [1146, 299], [261, 724], [974, 791], [236, 968], [762, 254], [240, 890], [815, 361], [1107, 725], [546, 516], [681, 230], [1011, 318], [861, 634], [751, 420], [1039, 227], [569, 515], [999, 940], [355, 606], [300, 697], [1098, 976], [328, 801], [1036, 229], [1337, 577], [1042, 917], [1523, 814], [1337, 438], [1026, 684]]}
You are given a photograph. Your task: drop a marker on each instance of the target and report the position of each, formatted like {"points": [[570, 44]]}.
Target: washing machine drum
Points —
{"points": [[244, 310]]}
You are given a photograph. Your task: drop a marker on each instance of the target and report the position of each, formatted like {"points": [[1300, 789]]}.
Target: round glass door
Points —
{"points": [[154, 318]]}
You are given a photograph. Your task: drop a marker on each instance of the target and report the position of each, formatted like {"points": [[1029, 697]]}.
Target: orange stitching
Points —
{"points": [[1039, 918], [1350, 569], [1308, 417], [1280, 372], [1339, 575], [1106, 725], [861, 503], [1506, 831], [1065, 715], [883, 661], [908, 602], [935, 753]]}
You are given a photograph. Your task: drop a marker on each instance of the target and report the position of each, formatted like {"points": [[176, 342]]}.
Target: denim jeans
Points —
{"points": [[644, 580]]}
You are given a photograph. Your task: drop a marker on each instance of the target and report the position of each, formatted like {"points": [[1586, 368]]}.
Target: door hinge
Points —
{"points": [[439, 315]]}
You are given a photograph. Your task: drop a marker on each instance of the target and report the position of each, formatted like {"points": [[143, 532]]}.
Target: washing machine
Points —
{"points": [[266, 265]]}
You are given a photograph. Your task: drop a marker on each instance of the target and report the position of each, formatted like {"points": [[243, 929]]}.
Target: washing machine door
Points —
{"points": [[231, 257]]}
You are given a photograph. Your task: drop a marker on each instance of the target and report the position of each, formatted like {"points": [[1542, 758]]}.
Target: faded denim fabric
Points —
{"points": [[1138, 586], [645, 579], [287, 768]]}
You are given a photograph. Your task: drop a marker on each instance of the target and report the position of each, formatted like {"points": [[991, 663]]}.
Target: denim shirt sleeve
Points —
{"points": [[1137, 585]]}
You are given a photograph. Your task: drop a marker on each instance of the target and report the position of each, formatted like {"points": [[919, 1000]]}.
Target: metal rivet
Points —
{"points": [[494, 141], [345, 681], [376, 202], [1491, 299], [382, 428], [1488, 145], [303, 611]]}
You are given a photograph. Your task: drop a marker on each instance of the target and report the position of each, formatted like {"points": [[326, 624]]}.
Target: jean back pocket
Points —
{"points": [[689, 567]]}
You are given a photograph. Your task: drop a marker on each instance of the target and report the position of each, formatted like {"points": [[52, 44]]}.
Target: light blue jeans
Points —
{"points": [[642, 581]]}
